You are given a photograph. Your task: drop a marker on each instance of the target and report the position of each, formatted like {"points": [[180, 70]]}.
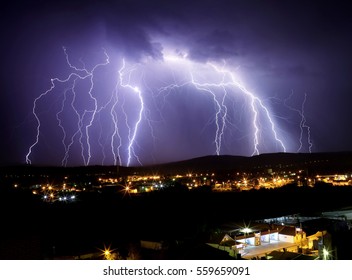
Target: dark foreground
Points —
{"points": [[32, 229]]}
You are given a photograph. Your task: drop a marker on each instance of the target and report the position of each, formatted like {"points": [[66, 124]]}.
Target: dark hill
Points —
{"points": [[313, 162]]}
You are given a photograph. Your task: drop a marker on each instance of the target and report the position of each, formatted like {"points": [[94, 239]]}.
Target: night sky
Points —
{"points": [[144, 82]]}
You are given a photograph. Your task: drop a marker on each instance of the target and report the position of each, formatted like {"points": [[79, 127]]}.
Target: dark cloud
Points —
{"points": [[217, 44]]}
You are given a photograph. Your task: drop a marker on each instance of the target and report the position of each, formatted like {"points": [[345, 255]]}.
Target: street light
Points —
{"points": [[107, 253], [325, 254]]}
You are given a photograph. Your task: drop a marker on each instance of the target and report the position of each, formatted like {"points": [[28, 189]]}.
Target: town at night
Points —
{"points": [[273, 206]]}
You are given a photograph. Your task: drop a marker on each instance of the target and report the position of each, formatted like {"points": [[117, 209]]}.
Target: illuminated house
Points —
{"points": [[249, 243]]}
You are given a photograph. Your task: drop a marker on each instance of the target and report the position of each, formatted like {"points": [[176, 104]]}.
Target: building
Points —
{"points": [[261, 239]]}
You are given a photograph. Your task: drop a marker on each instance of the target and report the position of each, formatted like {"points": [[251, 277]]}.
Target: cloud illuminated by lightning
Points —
{"points": [[110, 123]]}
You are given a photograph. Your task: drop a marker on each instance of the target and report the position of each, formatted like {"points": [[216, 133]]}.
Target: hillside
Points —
{"points": [[314, 163]]}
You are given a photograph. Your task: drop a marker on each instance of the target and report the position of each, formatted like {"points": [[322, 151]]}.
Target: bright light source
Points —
{"points": [[107, 253], [325, 253], [246, 230]]}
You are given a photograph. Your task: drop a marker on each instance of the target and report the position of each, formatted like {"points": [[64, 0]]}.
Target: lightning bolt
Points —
{"points": [[82, 74], [256, 104], [132, 132], [228, 81], [119, 134], [115, 133], [59, 120], [303, 123]]}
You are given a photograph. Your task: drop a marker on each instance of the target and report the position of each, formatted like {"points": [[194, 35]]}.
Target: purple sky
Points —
{"points": [[289, 56]]}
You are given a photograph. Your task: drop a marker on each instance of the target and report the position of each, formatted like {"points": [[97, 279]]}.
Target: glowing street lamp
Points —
{"points": [[325, 254], [107, 253], [246, 230]]}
